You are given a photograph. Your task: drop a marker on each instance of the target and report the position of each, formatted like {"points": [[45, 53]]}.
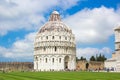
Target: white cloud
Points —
{"points": [[67, 3], [93, 25], [88, 52], [89, 26], [29, 15], [23, 14], [20, 49]]}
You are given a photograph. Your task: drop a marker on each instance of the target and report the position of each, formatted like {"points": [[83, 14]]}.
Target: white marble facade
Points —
{"points": [[114, 62], [54, 46]]}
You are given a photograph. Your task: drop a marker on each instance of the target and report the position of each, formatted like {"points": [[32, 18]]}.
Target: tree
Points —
{"points": [[81, 58], [77, 59], [103, 58], [100, 58], [92, 58]]}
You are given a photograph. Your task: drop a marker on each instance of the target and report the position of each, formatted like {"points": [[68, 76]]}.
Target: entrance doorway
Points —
{"points": [[87, 66], [66, 61]]}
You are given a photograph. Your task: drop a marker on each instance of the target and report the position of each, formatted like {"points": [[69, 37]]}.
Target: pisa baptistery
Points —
{"points": [[54, 46]]}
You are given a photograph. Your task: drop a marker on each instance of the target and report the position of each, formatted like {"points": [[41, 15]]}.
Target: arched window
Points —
{"points": [[46, 60], [44, 49], [59, 60], [55, 48], [66, 49], [46, 37], [36, 58], [59, 37], [52, 37], [53, 60], [40, 59], [70, 38], [65, 38]]}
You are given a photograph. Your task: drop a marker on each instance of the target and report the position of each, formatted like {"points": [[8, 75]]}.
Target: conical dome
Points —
{"points": [[55, 24]]}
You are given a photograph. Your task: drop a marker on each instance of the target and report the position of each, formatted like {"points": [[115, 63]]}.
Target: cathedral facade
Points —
{"points": [[114, 62], [54, 46]]}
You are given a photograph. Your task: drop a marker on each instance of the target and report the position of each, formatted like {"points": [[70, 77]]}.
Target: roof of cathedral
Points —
{"points": [[55, 24]]}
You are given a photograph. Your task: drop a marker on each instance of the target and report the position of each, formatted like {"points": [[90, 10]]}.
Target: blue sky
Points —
{"points": [[92, 22]]}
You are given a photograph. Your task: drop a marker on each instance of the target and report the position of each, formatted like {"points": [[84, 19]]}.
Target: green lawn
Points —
{"points": [[59, 76]]}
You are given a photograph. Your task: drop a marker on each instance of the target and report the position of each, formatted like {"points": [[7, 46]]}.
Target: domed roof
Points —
{"points": [[55, 12], [55, 24]]}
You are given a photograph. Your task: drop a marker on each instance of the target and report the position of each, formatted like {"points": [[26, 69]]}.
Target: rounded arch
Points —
{"points": [[55, 48], [36, 62], [36, 58], [87, 66], [66, 62]]}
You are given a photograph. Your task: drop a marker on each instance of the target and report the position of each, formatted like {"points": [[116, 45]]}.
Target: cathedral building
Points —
{"points": [[114, 62], [54, 46]]}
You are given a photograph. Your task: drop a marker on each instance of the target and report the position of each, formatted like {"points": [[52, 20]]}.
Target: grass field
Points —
{"points": [[59, 76]]}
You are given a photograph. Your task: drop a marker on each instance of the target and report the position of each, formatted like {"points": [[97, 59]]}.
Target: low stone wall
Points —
{"points": [[12, 66], [27, 66], [92, 65]]}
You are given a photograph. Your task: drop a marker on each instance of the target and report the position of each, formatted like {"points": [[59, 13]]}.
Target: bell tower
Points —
{"points": [[117, 47], [117, 40]]}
